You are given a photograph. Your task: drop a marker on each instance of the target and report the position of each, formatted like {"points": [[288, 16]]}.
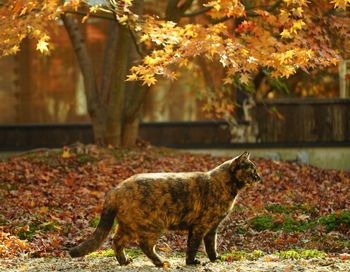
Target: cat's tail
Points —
{"points": [[101, 232]]}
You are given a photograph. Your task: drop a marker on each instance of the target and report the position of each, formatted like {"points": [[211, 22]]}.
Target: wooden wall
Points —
{"points": [[302, 122]]}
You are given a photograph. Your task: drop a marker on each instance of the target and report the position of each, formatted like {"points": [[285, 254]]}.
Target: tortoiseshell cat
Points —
{"points": [[146, 205]]}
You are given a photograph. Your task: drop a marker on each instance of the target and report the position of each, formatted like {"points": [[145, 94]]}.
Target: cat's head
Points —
{"points": [[243, 171]]}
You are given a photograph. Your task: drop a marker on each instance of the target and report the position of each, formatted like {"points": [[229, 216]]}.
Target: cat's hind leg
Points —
{"points": [[147, 245], [120, 240], [210, 244]]}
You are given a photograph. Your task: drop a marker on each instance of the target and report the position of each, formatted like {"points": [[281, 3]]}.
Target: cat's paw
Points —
{"points": [[215, 258], [166, 264], [193, 262], [162, 263], [126, 262]]}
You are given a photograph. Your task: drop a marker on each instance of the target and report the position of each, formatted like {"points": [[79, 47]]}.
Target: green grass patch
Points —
{"points": [[331, 222], [8, 186], [131, 252], [236, 255], [262, 222], [84, 159], [284, 209], [301, 254], [27, 231], [49, 226], [94, 222], [286, 223], [240, 255], [102, 253], [335, 221]]}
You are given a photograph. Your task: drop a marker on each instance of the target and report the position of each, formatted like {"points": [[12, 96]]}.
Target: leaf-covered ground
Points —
{"points": [[142, 264], [51, 199]]}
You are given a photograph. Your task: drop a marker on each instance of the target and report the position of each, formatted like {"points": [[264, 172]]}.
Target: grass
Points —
{"points": [[335, 221], [28, 231], [286, 223], [301, 254], [84, 158], [132, 253], [95, 221], [235, 255], [240, 255], [331, 222], [278, 208]]}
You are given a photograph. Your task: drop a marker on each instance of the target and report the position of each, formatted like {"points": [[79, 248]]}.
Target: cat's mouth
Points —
{"points": [[255, 179]]}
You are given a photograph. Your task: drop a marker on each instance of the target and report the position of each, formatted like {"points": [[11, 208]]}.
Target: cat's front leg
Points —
{"points": [[210, 244]]}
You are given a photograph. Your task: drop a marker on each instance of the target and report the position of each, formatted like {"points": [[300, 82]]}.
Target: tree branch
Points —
{"points": [[198, 12], [100, 16], [85, 63], [139, 50], [174, 12]]}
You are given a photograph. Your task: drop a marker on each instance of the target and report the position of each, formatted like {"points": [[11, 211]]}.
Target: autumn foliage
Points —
{"points": [[51, 200], [244, 36]]}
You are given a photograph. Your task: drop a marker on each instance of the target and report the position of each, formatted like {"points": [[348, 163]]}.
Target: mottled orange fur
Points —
{"points": [[146, 205]]}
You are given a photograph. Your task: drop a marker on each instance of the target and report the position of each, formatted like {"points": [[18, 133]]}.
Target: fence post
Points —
{"points": [[344, 81]]}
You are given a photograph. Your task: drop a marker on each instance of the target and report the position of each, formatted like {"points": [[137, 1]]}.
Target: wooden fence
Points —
{"points": [[302, 122]]}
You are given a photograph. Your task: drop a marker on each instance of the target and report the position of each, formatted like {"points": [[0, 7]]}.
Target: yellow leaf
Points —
{"points": [[131, 77], [144, 38], [94, 9], [42, 46], [43, 210], [341, 4], [285, 34], [122, 19], [227, 81], [244, 78], [297, 26], [66, 153], [149, 80], [298, 11], [14, 49]]}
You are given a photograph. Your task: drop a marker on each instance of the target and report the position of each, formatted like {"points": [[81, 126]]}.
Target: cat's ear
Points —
{"points": [[240, 159], [243, 157]]}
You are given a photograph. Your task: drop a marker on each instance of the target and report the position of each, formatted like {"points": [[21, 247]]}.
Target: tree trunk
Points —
{"points": [[115, 114], [117, 96], [134, 93], [96, 109], [130, 132]]}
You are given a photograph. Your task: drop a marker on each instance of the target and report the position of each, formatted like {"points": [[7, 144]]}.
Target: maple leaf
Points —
{"points": [[341, 4], [149, 80], [132, 77], [42, 46], [286, 34], [122, 19], [66, 154], [94, 9], [244, 78], [14, 49]]}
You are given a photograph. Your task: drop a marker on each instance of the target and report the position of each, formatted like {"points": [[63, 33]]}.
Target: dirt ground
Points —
{"points": [[141, 264]]}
